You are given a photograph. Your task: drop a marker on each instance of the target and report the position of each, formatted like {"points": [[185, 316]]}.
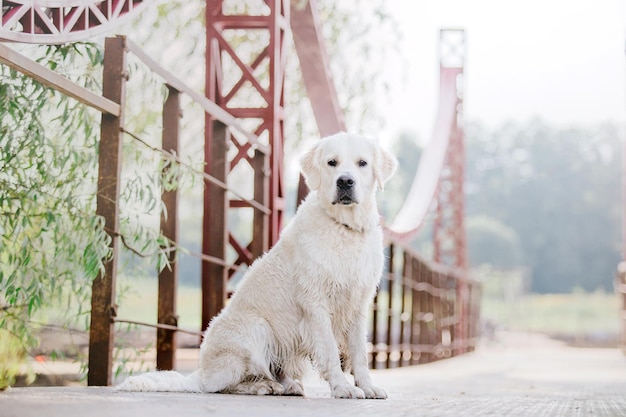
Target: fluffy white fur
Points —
{"points": [[306, 299]]}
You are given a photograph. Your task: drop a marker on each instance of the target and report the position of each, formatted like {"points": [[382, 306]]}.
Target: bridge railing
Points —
{"points": [[215, 179], [112, 105], [418, 312]]}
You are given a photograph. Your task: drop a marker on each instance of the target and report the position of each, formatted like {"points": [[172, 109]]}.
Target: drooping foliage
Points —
{"points": [[556, 194], [53, 245]]}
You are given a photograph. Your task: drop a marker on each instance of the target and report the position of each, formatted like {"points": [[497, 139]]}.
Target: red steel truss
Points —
{"points": [[449, 227], [61, 21], [248, 82]]}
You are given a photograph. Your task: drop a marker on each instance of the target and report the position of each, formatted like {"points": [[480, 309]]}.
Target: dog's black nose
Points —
{"points": [[345, 182]]}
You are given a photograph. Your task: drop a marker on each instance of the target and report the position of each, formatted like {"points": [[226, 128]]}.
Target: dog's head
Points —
{"points": [[346, 169]]}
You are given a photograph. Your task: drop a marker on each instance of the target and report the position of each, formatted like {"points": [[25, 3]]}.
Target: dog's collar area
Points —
{"points": [[348, 227], [345, 225]]}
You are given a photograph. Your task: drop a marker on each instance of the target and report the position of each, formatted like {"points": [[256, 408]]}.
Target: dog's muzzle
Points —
{"points": [[345, 190]]}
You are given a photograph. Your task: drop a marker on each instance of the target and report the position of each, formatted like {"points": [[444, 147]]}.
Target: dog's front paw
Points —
{"points": [[347, 391], [374, 392]]}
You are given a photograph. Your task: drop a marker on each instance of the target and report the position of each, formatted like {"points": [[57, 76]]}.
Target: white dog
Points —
{"points": [[307, 298]]}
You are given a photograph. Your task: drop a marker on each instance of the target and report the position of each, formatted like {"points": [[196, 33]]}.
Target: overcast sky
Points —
{"points": [[562, 60]]}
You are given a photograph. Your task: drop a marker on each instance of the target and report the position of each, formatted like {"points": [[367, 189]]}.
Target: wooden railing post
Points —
{"points": [[103, 308], [405, 320], [375, 339], [215, 234], [415, 311], [388, 275], [168, 277]]}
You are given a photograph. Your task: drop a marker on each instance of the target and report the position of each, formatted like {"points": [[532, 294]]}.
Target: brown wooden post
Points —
{"points": [[168, 277], [452, 306], [416, 352], [375, 339], [474, 315], [390, 303], [103, 308], [438, 315], [404, 314], [425, 304], [215, 232]]}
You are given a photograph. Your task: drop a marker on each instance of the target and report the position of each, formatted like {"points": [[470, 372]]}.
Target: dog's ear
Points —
{"points": [[384, 167], [310, 165]]}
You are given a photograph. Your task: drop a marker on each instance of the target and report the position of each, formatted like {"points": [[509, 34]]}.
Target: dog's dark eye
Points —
{"points": [[332, 163], [362, 163]]}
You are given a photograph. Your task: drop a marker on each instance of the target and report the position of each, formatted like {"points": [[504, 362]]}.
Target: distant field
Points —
{"points": [[139, 302], [573, 316], [578, 317]]}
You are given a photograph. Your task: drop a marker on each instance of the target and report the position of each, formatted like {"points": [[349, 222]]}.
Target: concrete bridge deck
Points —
{"points": [[526, 376]]}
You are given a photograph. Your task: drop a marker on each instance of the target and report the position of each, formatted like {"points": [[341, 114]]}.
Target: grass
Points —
{"points": [[579, 317], [139, 302], [573, 314], [567, 314]]}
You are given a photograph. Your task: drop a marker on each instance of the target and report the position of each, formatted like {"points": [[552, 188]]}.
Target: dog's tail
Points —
{"points": [[162, 381]]}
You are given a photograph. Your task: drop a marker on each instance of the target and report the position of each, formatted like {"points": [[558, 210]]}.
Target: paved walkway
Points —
{"points": [[526, 376]]}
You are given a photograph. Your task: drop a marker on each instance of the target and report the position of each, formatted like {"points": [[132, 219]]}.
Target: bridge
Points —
{"points": [[520, 375], [426, 310]]}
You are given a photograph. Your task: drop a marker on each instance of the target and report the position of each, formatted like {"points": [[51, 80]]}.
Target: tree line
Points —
{"points": [[547, 199], [543, 198]]}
